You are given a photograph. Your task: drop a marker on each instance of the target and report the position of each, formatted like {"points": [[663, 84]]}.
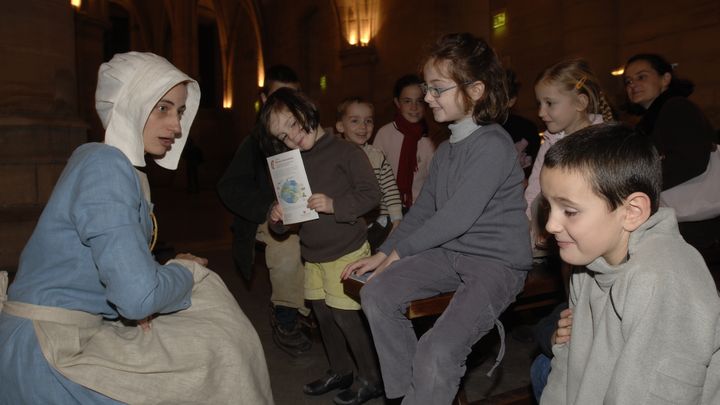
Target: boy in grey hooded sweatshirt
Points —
{"points": [[646, 313]]}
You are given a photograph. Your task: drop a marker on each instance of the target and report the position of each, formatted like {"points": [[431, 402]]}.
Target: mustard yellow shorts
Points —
{"points": [[322, 280]]}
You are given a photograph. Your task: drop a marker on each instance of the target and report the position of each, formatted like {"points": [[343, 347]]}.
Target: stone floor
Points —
{"points": [[199, 224]]}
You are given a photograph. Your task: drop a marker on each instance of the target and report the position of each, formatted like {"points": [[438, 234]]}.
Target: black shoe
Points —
{"points": [[330, 381], [366, 392], [293, 341]]}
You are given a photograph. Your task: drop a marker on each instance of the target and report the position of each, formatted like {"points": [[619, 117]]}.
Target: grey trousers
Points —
{"points": [[428, 371]]}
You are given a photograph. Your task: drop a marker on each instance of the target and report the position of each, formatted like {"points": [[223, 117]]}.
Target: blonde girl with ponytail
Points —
{"points": [[569, 99]]}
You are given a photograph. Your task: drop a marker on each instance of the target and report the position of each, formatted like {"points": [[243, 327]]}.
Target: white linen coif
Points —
{"points": [[129, 86]]}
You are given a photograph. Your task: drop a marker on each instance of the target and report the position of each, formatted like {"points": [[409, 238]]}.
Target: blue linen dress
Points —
{"points": [[89, 252]]}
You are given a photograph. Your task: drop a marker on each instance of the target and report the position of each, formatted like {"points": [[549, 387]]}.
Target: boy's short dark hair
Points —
{"points": [[614, 159], [407, 80], [279, 73], [298, 104], [345, 103]]}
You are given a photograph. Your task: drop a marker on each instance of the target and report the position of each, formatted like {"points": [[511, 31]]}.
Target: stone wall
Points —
{"points": [[39, 126], [536, 34]]}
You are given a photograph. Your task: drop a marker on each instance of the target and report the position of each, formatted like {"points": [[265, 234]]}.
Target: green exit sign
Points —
{"points": [[499, 20]]}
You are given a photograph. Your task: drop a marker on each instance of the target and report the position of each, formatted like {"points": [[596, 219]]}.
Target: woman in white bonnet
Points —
{"points": [[91, 317]]}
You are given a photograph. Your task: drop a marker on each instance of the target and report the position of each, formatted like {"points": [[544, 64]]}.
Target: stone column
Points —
{"points": [[590, 30], [358, 71], [39, 124], [183, 22], [90, 27]]}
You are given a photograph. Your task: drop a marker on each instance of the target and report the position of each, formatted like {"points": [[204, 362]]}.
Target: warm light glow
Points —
{"points": [[261, 71], [499, 20], [352, 38], [618, 72], [364, 38], [323, 83], [76, 3], [360, 20], [228, 94], [256, 106]]}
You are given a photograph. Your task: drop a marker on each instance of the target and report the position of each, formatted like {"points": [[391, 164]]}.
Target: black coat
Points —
{"points": [[682, 135], [247, 192]]}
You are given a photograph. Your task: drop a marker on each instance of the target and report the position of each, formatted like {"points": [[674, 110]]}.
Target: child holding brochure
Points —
{"points": [[344, 188]]}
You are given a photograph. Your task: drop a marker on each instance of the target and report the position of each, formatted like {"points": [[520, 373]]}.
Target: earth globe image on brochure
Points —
{"points": [[290, 191]]}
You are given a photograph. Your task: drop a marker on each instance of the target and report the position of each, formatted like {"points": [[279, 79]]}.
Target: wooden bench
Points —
{"points": [[543, 287]]}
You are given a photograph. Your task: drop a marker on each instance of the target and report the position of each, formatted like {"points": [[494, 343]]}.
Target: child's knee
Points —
{"points": [[443, 349], [434, 358], [374, 296], [367, 296]]}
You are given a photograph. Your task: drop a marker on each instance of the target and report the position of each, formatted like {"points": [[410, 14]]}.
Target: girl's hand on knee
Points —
{"points": [[564, 330], [385, 263], [363, 265]]}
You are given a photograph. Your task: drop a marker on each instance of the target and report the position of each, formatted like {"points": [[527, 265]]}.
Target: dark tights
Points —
{"points": [[341, 328]]}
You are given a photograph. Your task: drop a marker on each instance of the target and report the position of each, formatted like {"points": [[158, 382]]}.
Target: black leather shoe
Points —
{"points": [[365, 392], [330, 381]]}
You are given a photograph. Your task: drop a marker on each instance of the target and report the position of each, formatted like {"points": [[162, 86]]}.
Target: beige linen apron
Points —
{"points": [[206, 354], [3, 288]]}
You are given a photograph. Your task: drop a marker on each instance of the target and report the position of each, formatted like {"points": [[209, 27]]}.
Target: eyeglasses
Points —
{"points": [[435, 92]]}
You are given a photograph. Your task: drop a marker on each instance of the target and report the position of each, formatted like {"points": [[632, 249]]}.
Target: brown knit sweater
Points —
{"points": [[341, 171]]}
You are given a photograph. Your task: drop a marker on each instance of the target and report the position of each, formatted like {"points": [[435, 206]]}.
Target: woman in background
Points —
{"points": [[677, 127]]}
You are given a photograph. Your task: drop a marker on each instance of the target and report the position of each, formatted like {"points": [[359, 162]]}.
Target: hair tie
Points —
{"points": [[580, 83]]}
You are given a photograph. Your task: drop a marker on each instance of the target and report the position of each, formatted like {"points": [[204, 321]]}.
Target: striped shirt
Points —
{"points": [[390, 203]]}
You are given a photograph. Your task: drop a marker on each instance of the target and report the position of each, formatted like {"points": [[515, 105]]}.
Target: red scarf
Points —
{"points": [[407, 165]]}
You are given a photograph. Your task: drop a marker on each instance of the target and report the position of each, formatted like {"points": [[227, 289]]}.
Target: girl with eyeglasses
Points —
{"points": [[467, 231], [404, 141]]}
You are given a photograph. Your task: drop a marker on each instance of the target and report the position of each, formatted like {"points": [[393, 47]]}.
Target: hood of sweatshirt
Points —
{"points": [[663, 221]]}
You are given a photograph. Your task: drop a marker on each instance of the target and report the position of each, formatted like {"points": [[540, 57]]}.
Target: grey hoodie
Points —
{"points": [[644, 332]]}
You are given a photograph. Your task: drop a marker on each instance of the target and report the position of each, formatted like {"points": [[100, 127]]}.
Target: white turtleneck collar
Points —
{"points": [[460, 130]]}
